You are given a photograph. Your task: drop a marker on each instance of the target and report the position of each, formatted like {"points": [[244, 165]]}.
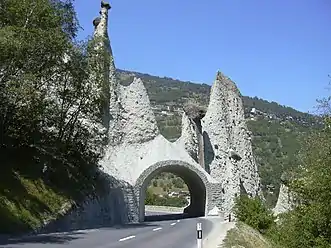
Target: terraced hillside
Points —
{"points": [[276, 129]]}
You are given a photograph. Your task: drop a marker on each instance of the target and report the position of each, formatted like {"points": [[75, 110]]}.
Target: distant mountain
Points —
{"points": [[276, 129]]}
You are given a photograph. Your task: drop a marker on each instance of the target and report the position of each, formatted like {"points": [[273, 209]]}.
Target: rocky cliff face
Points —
{"points": [[228, 151]]}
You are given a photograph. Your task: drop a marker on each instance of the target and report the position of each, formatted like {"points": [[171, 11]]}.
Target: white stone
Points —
{"points": [[188, 138], [284, 201], [213, 212], [225, 125]]}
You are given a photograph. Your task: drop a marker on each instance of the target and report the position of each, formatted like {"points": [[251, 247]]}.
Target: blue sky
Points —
{"points": [[276, 50]]}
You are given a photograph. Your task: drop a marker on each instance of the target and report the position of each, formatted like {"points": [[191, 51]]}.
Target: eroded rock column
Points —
{"points": [[286, 199], [229, 153], [195, 114], [100, 61]]}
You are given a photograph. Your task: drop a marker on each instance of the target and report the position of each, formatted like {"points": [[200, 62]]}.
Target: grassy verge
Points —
{"points": [[27, 203], [30, 198], [245, 236]]}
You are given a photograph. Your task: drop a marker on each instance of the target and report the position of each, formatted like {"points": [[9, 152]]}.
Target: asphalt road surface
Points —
{"points": [[179, 233]]}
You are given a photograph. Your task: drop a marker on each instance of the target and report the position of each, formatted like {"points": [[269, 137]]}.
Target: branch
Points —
{"points": [[29, 15]]}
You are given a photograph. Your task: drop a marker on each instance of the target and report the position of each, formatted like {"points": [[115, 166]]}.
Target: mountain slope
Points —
{"points": [[276, 129]]}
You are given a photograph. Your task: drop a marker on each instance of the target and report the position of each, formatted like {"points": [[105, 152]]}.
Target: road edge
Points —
{"points": [[218, 233]]}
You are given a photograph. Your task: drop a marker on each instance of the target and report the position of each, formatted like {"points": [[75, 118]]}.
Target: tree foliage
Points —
{"points": [[308, 224], [47, 105], [154, 199], [253, 212]]}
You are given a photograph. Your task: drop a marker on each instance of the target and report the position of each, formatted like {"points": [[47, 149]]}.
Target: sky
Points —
{"points": [[276, 50]]}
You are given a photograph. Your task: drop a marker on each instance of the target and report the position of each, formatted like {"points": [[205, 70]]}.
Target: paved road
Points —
{"points": [[161, 234]]}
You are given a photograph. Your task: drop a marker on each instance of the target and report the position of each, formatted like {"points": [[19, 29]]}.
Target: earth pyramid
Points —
{"points": [[213, 155]]}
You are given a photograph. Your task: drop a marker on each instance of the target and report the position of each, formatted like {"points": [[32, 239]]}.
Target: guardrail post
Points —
{"points": [[199, 235]]}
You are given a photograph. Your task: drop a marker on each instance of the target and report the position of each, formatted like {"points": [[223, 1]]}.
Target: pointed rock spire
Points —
{"points": [[189, 139], [101, 23], [225, 125], [136, 123], [104, 70]]}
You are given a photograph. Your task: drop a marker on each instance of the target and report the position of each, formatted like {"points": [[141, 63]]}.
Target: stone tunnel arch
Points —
{"points": [[194, 178]]}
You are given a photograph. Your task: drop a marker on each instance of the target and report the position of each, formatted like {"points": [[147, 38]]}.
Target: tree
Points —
{"points": [[47, 100], [33, 42], [308, 225], [178, 183], [150, 197]]}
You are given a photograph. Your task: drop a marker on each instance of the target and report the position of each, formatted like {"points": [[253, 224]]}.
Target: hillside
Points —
{"points": [[245, 236], [276, 129]]}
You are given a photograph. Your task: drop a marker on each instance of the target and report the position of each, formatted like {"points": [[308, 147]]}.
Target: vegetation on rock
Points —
{"points": [[48, 150], [254, 213], [245, 236]]}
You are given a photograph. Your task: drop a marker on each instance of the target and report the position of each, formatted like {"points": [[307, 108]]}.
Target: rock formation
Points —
{"points": [[189, 139], [213, 155], [286, 199], [229, 156]]}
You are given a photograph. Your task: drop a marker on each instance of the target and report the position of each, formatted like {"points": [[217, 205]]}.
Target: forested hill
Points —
{"points": [[276, 128], [172, 92]]}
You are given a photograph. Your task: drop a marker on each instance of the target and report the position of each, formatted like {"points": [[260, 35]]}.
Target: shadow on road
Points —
{"points": [[62, 237], [163, 217], [41, 239]]}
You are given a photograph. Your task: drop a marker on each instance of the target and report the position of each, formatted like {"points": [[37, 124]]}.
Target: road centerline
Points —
{"points": [[157, 229], [126, 238], [172, 224]]}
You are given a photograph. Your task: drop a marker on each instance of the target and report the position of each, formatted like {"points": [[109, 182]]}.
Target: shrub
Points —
{"points": [[308, 224], [254, 213], [178, 183], [153, 199]]}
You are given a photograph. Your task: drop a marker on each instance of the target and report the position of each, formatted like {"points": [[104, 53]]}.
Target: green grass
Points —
{"points": [[30, 198], [26, 203], [245, 236]]}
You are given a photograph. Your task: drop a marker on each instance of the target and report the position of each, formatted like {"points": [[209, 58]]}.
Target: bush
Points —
{"points": [[153, 199], [308, 224], [254, 213], [178, 183], [150, 197]]}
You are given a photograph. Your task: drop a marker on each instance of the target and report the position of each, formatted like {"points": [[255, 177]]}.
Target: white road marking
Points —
{"points": [[157, 229], [172, 224], [178, 220], [129, 237]]}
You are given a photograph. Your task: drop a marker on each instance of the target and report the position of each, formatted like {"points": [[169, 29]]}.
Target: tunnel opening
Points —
{"points": [[188, 195]]}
